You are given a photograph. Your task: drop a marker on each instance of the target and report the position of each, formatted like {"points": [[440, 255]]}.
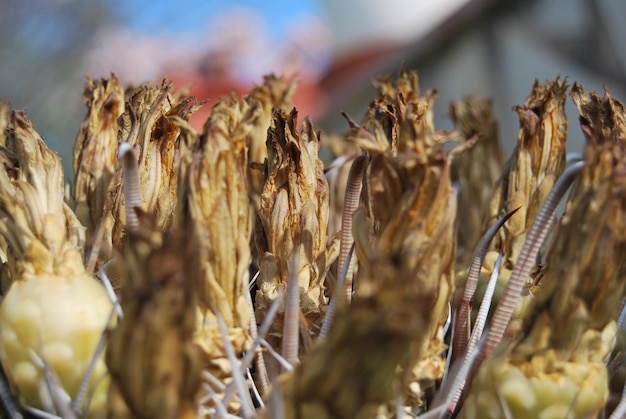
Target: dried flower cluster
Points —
{"points": [[230, 272]]}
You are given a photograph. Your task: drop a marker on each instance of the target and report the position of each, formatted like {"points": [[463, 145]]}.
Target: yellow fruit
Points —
{"points": [[60, 319]]}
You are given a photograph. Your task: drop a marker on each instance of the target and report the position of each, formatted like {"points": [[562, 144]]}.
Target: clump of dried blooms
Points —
{"points": [[405, 241], [556, 368], [175, 228]]}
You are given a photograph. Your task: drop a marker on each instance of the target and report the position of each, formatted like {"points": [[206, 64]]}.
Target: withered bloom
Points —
{"points": [[536, 163], [95, 150], [477, 170], [274, 93], [155, 124], [411, 208], [214, 207], [557, 366], [353, 371], [293, 218], [155, 366]]}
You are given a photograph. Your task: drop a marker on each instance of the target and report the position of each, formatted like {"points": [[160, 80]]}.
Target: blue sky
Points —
{"points": [[182, 16]]}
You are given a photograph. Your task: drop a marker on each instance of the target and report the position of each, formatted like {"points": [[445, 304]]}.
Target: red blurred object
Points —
{"points": [[216, 82]]}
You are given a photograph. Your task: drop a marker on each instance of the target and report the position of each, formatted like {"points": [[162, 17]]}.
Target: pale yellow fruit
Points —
{"points": [[60, 319]]}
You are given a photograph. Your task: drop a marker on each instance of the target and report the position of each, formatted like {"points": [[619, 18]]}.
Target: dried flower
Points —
{"points": [[53, 312], [293, 218], [155, 124], [154, 363], [411, 211], [95, 150], [476, 170], [352, 372], [536, 163], [276, 93], [215, 208]]}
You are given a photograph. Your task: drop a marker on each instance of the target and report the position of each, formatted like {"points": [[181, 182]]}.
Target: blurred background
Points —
{"points": [[496, 48]]}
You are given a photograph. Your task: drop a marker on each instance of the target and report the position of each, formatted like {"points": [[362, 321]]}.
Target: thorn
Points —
{"points": [[442, 405], [213, 380], [97, 241], [506, 411], [332, 307], [104, 278], [291, 338], [351, 202], [485, 305], [448, 322], [250, 354], [277, 403], [532, 244], [58, 397], [37, 413], [84, 384], [477, 334], [9, 404], [258, 356], [255, 391], [338, 162], [132, 192], [463, 320], [282, 361], [620, 409], [247, 409], [253, 280]]}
